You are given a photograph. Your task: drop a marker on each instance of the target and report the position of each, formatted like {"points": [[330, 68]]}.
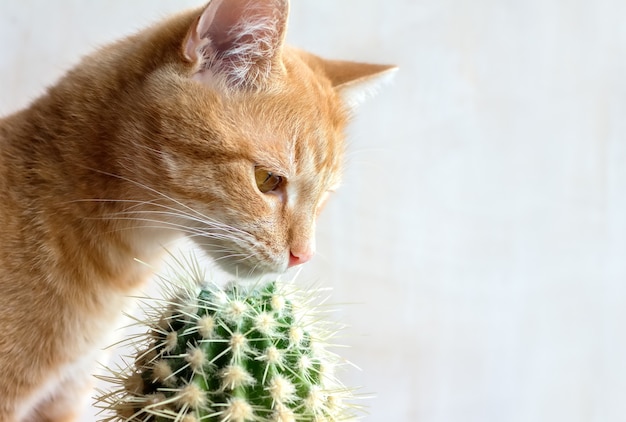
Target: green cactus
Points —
{"points": [[232, 355]]}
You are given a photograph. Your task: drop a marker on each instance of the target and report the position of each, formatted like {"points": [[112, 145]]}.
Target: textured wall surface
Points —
{"points": [[480, 235]]}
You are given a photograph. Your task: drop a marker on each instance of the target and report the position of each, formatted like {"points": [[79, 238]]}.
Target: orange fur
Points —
{"points": [[149, 139]]}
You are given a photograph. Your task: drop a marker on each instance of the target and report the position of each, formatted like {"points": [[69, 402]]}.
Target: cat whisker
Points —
{"points": [[186, 230], [151, 190], [174, 211], [191, 233], [168, 213]]}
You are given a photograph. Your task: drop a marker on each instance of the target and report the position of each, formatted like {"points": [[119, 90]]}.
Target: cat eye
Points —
{"points": [[266, 180]]}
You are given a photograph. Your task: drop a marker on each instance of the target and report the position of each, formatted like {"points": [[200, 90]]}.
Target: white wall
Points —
{"points": [[481, 230]]}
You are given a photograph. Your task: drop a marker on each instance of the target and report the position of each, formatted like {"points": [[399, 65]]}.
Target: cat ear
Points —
{"points": [[357, 81], [237, 42]]}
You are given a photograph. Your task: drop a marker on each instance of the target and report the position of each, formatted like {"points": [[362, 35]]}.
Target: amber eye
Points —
{"points": [[267, 181]]}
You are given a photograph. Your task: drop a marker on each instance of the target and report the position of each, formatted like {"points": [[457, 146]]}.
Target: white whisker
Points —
{"points": [[226, 244]]}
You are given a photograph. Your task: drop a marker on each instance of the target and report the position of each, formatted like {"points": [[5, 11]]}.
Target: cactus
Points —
{"points": [[236, 354]]}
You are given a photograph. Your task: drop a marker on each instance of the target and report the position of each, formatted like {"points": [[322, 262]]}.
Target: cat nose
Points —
{"points": [[300, 257]]}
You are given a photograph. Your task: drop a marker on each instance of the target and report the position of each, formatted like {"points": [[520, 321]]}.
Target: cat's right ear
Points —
{"points": [[357, 81], [237, 43]]}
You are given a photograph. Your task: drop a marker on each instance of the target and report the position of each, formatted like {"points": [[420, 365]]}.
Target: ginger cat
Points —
{"points": [[204, 125]]}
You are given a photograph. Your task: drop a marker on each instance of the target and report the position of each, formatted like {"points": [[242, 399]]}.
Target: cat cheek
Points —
{"points": [[273, 202], [279, 198]]}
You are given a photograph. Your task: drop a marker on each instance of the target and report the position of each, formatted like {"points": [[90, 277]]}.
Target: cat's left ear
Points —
{"points": [[355, 81], [237, 43]]}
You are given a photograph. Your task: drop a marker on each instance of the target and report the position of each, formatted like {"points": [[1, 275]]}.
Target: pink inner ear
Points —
{"points": [[191, 45], [218, 22], [237, 38], [197, 37]]}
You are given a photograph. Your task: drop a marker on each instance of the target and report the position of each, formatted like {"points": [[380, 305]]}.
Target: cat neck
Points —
{"points": [[64, 203]]}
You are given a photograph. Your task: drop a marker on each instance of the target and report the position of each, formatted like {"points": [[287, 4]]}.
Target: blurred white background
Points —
{"points": [[480, 235]]}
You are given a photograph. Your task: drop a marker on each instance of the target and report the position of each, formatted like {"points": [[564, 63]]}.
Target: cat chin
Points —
{"points": [[246, 269]]}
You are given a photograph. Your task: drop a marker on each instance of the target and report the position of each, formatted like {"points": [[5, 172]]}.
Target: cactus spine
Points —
{"points": [[231, 355]]}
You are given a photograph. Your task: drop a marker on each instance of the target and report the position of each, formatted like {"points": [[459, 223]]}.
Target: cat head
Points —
{"points": [[249, 133]]}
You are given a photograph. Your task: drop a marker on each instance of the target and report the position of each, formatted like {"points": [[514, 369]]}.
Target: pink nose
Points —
{"points": [[300, 257]]}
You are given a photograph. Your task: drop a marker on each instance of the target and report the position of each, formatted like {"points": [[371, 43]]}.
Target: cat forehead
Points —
{"points": [[300, 152], [291, 133]]}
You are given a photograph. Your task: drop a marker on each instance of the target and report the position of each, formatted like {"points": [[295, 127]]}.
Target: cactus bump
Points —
{"points": [[236, 354]]}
